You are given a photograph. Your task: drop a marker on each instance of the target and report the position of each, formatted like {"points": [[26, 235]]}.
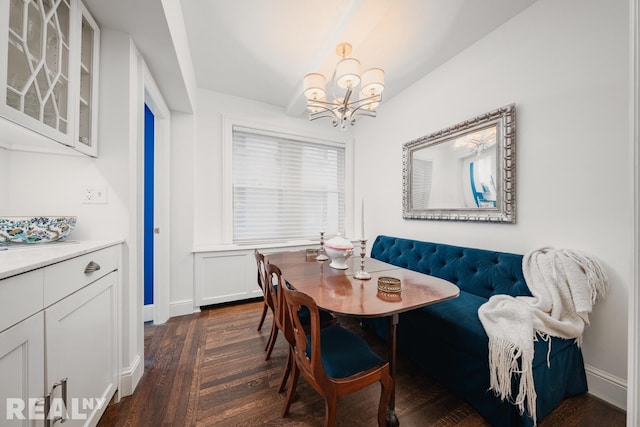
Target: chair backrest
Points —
{"points": [[275, 284], [294, 302], [262, 277]]}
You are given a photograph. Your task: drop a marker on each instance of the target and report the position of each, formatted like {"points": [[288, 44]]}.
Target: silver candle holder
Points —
{"points": [[322, 254], [362, 275]]}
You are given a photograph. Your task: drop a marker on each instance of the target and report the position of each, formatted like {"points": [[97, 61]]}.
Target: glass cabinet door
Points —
{"points": [[37, 67], [87, 99]]}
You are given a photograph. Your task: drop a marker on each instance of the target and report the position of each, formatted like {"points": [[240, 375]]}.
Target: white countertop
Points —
{"points": [[20, 259]]}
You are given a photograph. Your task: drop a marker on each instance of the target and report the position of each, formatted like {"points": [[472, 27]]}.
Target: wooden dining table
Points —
{"points": [[339, 292]]}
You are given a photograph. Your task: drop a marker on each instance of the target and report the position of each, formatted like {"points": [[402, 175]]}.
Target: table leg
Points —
{"points": [[392, 419]]}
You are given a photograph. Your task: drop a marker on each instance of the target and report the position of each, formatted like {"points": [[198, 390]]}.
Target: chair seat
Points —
{"points": [[344, 353]]}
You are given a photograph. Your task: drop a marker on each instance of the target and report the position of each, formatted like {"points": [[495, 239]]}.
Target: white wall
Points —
{"points": [[182, 212], [5, 202], [565, 65]]}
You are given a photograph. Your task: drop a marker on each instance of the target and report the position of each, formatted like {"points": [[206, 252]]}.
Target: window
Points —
{"points": [[285, 188]]}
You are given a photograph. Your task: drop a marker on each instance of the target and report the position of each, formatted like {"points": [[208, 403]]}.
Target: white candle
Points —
{"points": [[362, 219]]}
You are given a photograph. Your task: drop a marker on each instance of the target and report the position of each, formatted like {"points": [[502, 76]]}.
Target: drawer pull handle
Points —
{"points": [[91, 267], [63, 384]]}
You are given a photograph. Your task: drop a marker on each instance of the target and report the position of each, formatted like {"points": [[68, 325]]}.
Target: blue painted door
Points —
{"points": [[149, 139]]}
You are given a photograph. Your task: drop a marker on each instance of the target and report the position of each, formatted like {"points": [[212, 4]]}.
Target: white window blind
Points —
{"points": [[285, 189], [421, 179]]}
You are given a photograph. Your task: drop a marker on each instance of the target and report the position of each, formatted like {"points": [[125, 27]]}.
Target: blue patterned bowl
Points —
{"points": [[24, 229]]}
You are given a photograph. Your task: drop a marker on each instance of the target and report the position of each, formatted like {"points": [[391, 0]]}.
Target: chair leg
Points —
{"points": [[330, 409], [385, 395], [265, 307], [287, 370], [272, 341], [292, 387]]}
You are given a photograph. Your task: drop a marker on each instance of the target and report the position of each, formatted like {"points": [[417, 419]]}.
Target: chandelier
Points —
{"points": [[347, 106]]}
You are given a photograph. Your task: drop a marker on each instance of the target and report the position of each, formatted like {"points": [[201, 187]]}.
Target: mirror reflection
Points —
{"points": [[465, 172], [458, 173]]}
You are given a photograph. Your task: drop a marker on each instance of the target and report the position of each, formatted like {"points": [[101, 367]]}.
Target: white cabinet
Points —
{"points": [[48, 64], [58, 356], [81, 350], [22, 373]]}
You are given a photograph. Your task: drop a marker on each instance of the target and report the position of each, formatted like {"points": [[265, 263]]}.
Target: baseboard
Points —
{"points": [[180, 308], [131, 376], [607, 387], [147, 313]]}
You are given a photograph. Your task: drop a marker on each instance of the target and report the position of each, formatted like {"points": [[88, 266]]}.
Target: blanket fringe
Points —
{"points": [[503, 363]]}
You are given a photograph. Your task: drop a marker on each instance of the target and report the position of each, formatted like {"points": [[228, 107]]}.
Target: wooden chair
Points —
{"points": [[274, 283], [267, 299], [333, 360]]}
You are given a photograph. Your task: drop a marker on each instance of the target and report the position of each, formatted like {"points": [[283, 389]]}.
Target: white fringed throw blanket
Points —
{"points": [[565, 284]]}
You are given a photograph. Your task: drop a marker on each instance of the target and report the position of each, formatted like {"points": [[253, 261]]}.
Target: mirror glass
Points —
{"points": [[465, 172]]}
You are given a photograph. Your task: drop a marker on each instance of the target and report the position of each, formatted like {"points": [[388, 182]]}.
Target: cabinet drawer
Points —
{"points": [[20, 297], [68, 276]]}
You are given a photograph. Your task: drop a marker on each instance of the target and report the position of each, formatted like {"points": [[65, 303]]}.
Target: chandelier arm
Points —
{"points": [[323, 114]]}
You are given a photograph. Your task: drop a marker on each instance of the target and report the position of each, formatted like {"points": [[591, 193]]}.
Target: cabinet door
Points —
{"points": [[35, 62], [88, 96], [22, 373], [81, 348]]}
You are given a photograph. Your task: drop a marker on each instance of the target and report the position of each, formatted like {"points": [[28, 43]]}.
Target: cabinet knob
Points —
{"points": [[91, 267], [156, 230]]}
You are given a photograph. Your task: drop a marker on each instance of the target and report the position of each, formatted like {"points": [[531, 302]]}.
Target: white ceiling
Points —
{"points": [[261, 49]]}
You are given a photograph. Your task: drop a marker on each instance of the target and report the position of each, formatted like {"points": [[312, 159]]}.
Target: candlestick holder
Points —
{"points": [[322, 254], [362, 275]]}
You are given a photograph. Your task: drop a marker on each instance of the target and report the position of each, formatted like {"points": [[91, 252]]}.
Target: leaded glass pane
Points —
{"points": [[50, 115], [62, 14], [43, 82], [53, 49], [34, 31], [18, 71], [85, 125], [13, 99], [85, 86], [87, 44], [16, 10], [64, 61], [48, 4], [32, 103], [60, 93]]}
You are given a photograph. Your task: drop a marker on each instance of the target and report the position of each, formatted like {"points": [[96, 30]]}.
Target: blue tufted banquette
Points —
{"points": [[448, 341]]}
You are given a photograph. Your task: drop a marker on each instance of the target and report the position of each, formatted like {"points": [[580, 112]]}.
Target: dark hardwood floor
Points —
{"points": [[208, 369]]}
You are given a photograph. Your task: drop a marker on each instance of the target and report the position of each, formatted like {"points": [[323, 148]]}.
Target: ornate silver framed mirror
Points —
{"points": [[466, 172]]}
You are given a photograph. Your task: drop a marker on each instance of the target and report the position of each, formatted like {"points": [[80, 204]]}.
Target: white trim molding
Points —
{"points": [[182, 307], [633, 364], [130, 377], [607, 387]]}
